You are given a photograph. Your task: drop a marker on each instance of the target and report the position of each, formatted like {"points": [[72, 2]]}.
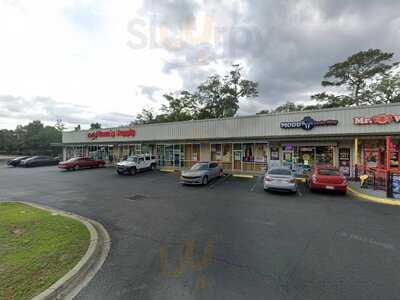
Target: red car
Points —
{"points": [[81, 163], [327, 178]]}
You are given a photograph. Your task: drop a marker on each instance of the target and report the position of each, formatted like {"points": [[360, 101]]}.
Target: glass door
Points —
{"points": [[237, 160]]}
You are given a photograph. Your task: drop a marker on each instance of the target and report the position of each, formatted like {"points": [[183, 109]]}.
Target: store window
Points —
{"points": [[248, 153], [324, 155], [344, 161], [306, 156], [274, 153], [196, 152], [260, 157], [147, 149], [248, 157], [227, 153], [216, 152], [394, 161]]}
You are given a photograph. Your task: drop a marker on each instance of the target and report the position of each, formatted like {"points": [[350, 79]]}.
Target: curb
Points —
{"points": [[76, 279], [167, 170], [370, 198], [243, 176], [301, 180]]}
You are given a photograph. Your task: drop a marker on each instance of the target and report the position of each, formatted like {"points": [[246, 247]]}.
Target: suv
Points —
{"points": [[137, 163]]}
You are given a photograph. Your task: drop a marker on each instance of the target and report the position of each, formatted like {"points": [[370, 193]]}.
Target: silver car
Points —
{"points": [[201, 173], [281, 179]]}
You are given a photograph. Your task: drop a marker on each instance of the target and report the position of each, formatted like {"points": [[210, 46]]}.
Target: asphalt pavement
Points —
{"points": [[229, 240]]}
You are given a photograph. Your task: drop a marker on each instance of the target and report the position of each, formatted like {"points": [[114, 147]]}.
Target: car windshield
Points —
{"points": [[280, 172], [200, 166], [132, 159], [329, 172]]}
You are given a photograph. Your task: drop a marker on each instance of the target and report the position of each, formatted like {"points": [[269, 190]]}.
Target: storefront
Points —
{"points": [[351, 139]]}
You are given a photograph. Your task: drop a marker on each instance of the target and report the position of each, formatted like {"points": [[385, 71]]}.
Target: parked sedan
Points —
{"points": [[327, 178], [38, 161], [280, 179], [201, 173], [17, 161], [77, 163]]}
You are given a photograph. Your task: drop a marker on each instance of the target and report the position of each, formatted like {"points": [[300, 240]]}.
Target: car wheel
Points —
{"points": [[132, 171], [76, 168], [205, 180]]}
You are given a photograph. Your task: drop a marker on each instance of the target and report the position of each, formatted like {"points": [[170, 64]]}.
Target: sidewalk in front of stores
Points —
{"points": [[370, 195]]}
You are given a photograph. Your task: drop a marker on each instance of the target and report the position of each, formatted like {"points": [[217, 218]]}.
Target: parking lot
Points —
{"points": [[227, 240]]}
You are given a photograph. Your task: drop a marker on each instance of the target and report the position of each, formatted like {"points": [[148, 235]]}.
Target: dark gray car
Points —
{"points": [[201, 173], [38, 161]]}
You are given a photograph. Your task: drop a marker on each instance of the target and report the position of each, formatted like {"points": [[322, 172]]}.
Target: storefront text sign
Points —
{"points": [[377, 120], [94, 135], [308, 123]]}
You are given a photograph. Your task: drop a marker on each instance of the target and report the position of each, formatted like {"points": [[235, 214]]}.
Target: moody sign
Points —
{"points": [[308, 123]]}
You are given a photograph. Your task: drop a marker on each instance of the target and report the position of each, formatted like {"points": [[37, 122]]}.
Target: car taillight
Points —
{"points": [[267, 178]]}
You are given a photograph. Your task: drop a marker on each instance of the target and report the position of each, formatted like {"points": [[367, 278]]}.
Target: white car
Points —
{"points": [[137, 163], [201, 173], [280, 179]]}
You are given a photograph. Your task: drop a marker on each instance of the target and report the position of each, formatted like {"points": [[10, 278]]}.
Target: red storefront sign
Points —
{"points": [[377, 120], [93, 135]]}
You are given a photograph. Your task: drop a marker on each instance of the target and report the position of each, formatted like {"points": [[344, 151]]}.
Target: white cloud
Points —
{"points": [[79, 52], [76, 52]]}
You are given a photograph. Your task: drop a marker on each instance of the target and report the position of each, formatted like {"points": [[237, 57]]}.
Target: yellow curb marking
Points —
{"points": [[168, 170], [370, 198], [243, 176], [303, 180]]}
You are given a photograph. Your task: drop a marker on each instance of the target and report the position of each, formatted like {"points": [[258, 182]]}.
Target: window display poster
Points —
{"points": [[248, 152], [274, 153], [344, 161], [394, 161], [396, 186], [227, 153], [260, 153], [372, 159]]}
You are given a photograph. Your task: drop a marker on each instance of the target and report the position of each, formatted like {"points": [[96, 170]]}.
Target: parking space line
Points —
{"points": [[255, 184], [219, 181]]}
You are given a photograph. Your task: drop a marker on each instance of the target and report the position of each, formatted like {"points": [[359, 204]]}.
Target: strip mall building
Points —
{"points": [[367, 137]]}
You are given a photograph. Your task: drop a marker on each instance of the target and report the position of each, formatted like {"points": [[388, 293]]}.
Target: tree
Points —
{"points": [[181, 107], [95, 126], [354, 75], [145, 117], [289, 107], [264, 112], [60, 124], [220, 97], [78, 128], [387, 89], [8, 142], [217, 97]]}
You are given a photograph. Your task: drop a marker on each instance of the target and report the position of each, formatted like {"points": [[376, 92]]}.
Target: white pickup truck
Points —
{"points": [[137, 163]]}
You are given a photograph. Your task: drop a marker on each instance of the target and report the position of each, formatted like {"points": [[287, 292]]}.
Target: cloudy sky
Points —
{"points": [[104, 61]]}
